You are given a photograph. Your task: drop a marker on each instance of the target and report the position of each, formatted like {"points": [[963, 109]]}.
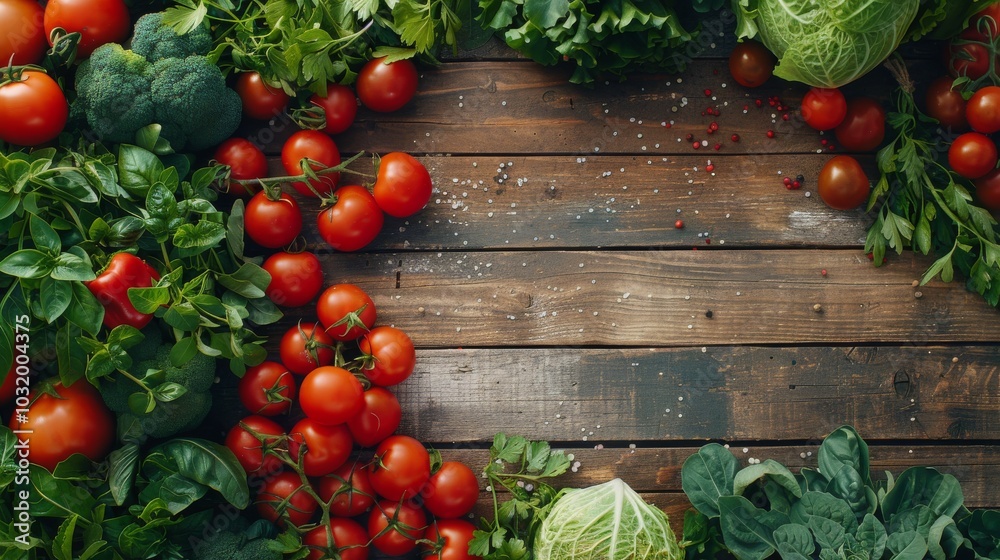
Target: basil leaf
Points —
{"points": [[54, 297], [249, 281], [53, 497], [148, 300], [211, 464], [27, 263], [170, 391], [141, 402], [44, 236], [123, 463], [62, 544], [70, 354], [182, 316], [138, 169], [85, 311], [8, 461], [68, 266]]}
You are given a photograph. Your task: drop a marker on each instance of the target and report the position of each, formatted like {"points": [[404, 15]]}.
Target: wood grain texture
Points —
{"points": [[522, 108], [659, 298]]}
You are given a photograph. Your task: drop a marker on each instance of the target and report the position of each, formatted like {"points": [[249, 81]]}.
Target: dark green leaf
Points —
{"points": [[123, 464], [201, 235], [263, 311], [141, 403], [908, 545], [234, 230], [544, 14], [770, 469], [748, 531], [70, 355], [942, 266], [844, 448], [871, 536], [183, 351], [53, 497], [44, 237], [54, 296], [182, 316], [173, 492], [942, 493], [249, 281], [824, 505], [75, 467], [707, 476], [27, 263], [922, 235], [166, 392], [62, 544], [99, 229], [70, 185], [138, 169], [68, 266], [148, 300], [102, 177], [125, 231], [8, 461], [828, 533], [794, 542], [85, 311], [211, 464]]}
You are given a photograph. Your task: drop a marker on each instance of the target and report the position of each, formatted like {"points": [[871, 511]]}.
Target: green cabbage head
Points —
{"points": [[605, 522], [826, 43]]}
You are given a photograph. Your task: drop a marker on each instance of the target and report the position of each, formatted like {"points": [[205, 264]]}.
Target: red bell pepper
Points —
{"points": [[111, 288]]}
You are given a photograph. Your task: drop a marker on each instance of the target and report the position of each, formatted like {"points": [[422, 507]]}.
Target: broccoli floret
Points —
{"points": [[155, 41], [193, 102], [121, 91], [183, 414], [113, 92], [235, 546]]}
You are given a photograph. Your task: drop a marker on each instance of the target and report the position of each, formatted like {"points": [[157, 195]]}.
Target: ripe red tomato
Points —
{"points": [[283, 496], [331, 395], [378, 419], [968, 59], [347, 490], [401, 468], [296, 278], [22, 34], [9, 387], [326, 447], [452, 491], [843, 184], [267, 389], [245, 160], [751, 64], [402, 186], [353, 221], [315, 146], [391, 355], [386, 87], [33, 110], [340, 106], [946, 104], [346, 311], [972, 155], [824, 108], [987, 192], [394, 528], [98, 21], [272, 223], [863, 128], [305, 347], [343, 538], [77, 421], [451, 539], [983, 110], [260, 100], [249, 448], [984, 23]]}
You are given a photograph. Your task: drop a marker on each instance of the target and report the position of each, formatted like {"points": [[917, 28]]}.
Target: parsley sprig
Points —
{"points": [[521, 467], [923, 205]]}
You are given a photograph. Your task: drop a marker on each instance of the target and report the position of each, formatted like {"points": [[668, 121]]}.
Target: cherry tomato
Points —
{"points": [[77, 421], [249, 448], [972, 155], [344, 539], [272, 223], [347, 490], [451, 539], [245, 160], [946, 104], [33, 110], [378, 419], [353, 221], [305, 347], [402, 185], [267, 389], [984, 24], [346, 311], [331, 395], [394, 529], [326, 447], [296, 278], [391, 355], [260, 100], [22, 34], [863, 129], [983, 110], [98, 21], [987, 191], [968, 59], [401, 468], [386, 87], [283, 499], [452, 491], [824, 108], [340, 106], [843, 184], [751, 64], [317, 147]]}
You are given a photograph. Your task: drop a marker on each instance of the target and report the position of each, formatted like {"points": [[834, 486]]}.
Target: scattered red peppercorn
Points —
{"points": [[708, 92], [823, 272], [708, 241], [689, 137], [770, 134], [710, 168], [679, 224], [787, 181], [784, 117], [696, 145], [717, 147], [735, 137], [796, 184]]}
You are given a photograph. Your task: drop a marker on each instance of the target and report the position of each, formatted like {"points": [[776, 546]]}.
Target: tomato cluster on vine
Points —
{"points": [[320, 445]]}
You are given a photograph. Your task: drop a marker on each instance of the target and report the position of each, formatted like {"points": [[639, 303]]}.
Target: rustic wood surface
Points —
{"points": [[550, 293]]}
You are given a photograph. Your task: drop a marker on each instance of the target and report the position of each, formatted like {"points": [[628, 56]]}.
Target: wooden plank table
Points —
{"points": [[550, 293]]}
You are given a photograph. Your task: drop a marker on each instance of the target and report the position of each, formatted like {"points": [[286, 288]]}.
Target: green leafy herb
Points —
{"points": [[920, 204]]}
